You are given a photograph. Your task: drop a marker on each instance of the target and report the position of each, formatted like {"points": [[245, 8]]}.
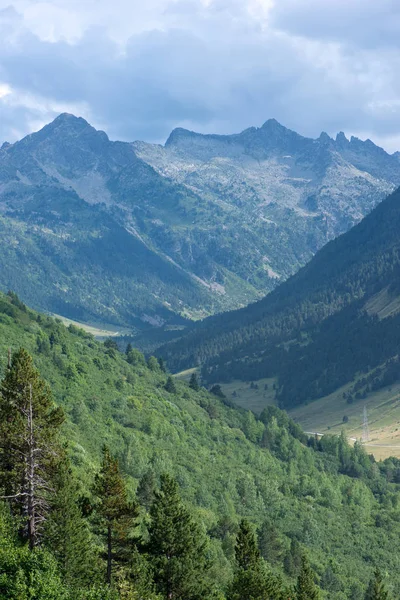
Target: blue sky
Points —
{"points": [[139, 69]]}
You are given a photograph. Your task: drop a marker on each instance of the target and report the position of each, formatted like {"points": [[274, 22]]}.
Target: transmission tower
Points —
{"points": [[365, 437]]}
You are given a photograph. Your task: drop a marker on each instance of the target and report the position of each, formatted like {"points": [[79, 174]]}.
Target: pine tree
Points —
{"points": [[251, 580], [376, 589], [194, 382], [292, 561], [170, 385], [136, 582], [146, 489], [176, 547], [115, 512], [305, 587], [67, 534], [30, 451], [161, 364], [246, 552], [269, 543]]}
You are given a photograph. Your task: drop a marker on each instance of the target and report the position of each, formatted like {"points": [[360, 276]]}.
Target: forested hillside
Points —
{"points": [[336, 317], [107, 520]]}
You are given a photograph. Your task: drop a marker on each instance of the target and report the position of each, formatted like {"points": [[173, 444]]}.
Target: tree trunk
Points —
{"points": [[109, 554], [31, 478]]}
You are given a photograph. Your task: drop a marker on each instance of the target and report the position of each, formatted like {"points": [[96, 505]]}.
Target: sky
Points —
{"points": [[137, 69]]}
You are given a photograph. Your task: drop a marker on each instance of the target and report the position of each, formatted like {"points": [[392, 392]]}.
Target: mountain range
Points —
{"points": [[145, 235], [339, 316]]}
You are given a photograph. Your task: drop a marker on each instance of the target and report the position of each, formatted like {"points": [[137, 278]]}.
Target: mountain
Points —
{"points": [[337, 317], [326, 498], [143, 235], [282, 195]]}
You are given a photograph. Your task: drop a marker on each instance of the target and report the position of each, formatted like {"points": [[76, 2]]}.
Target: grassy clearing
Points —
{"points": [[99, 330], [326, 415], [244, 395], [383, 408], [185, 375]]}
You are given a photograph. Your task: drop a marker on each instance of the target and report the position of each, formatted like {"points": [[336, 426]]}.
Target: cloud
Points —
{"points": [[138, 70], [358, 23]]}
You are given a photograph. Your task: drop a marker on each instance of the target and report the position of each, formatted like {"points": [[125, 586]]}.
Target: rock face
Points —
{"points": [[143, 234]]}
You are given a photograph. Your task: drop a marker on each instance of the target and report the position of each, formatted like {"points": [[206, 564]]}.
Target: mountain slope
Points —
{"points": [[286, 195], [145, 235], [71, 245], [337, 316], [330, 498]]}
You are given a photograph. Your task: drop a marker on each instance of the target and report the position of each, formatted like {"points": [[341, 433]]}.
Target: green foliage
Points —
{"points": [[30, 450], [305, 587], [146, 489], [321, 496], [269, 543], [26, 574], [67, 534], [194, 382], [251, 580], [116, 514], [376, 589], [153, 364], [176, 547], [170, 385], [247, 554]]}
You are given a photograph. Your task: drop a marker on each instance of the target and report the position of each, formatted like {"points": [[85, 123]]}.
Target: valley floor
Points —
{"points": [[326, 415]]}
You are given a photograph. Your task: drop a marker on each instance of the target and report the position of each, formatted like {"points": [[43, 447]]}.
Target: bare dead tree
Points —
{"points": [[29, 445]]}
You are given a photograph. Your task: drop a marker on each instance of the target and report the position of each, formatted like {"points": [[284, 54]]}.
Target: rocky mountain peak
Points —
{"points": [[341, 139], [178, 135], [68, 124], [324, 138]]}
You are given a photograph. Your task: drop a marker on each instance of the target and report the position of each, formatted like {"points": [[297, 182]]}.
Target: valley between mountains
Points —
{"points": [[259, 273], [140, 241], [143, 236]]}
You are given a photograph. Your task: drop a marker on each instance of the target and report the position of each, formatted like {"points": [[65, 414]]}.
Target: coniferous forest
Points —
{"points": [[119, 481]]}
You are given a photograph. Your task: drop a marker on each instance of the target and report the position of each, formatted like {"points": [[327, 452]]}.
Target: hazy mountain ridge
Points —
{"points": [[330, 178], [120, 232]]}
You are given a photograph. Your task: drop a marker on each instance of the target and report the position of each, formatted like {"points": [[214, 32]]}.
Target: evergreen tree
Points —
{"points": [[128, 349], [30, 451], [161, 364], [376, 589], [176, 547], [194, 382], [246, 552], [67, 534], [293, 558], [152, 364], [305, 587], [146, 489], [115, 512], [217, 391], [251, 580], [269, 542], [136, 582], [170, 385]]}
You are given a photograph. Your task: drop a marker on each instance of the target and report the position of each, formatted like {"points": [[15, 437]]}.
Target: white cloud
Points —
{"points": [[139, 69]]}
